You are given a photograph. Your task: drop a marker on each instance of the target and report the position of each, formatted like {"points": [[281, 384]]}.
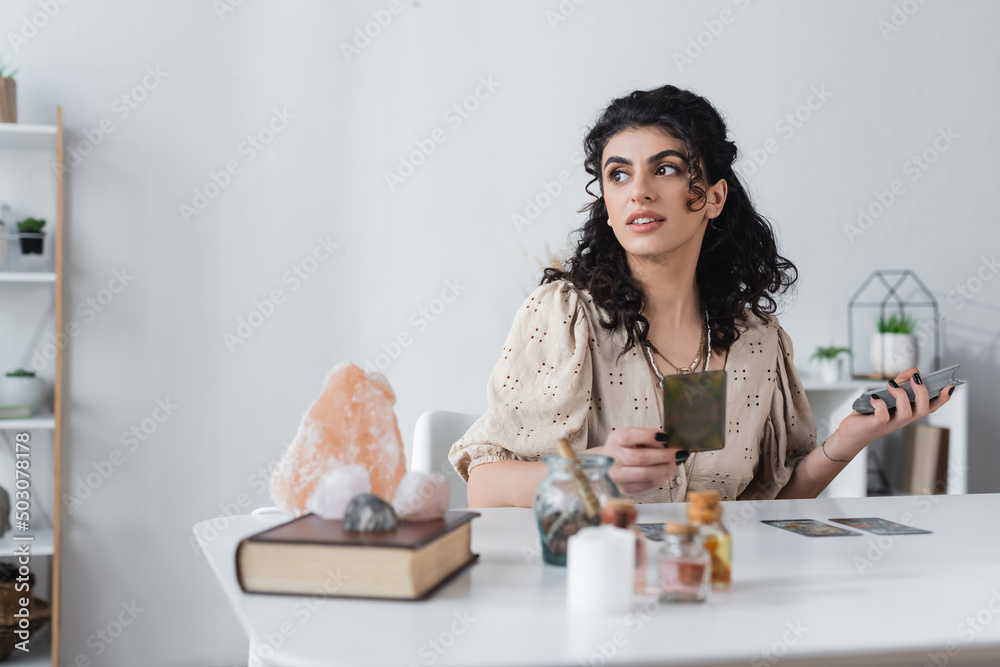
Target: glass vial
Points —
{"points": [[622, 513], [684, 565], [705, 510]]}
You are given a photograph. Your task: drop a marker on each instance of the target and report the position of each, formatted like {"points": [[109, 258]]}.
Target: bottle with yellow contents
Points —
{"points": [[704, 509]]}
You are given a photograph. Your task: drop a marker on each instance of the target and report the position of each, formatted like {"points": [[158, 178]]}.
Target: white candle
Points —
{"points": [[600, 564]]}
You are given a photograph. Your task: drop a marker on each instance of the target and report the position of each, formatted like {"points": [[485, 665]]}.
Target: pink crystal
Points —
{"points": [[336, 488], [351, 422], [421, 497]]}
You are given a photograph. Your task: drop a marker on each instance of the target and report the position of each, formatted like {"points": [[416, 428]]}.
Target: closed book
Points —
{"points": [[922, 447], [311, 555], [15, 411]]}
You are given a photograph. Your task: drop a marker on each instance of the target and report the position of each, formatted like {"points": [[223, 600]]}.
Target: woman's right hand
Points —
{"points": [[642, 458]]}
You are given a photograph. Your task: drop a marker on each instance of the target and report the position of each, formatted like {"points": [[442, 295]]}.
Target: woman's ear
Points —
{"points": [[717, 198]]}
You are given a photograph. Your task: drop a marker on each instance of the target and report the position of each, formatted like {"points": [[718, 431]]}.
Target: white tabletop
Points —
{"points": [[907, 600]]}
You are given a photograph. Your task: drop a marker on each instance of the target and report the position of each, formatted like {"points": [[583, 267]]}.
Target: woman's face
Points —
{"points": [[645, 175]]}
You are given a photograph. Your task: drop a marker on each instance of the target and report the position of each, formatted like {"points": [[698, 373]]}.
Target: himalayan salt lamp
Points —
{"points": [[421, 497], [336, 488], [351, 422], [369, 513]]}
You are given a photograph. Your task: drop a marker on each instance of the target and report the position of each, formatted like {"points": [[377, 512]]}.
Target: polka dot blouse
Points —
{"points": [[558, 377]]}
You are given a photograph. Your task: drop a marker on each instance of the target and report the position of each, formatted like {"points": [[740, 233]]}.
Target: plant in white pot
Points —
{"points": [[22, 387], [830, 362], [894, 347]]}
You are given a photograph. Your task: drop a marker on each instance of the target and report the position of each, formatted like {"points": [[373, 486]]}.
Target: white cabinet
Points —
{"points": [[31, 183], [832, 402]]}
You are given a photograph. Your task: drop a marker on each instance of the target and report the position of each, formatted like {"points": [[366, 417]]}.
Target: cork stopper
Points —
{"points": [[682, 529], [709, 499], [619, 512]]}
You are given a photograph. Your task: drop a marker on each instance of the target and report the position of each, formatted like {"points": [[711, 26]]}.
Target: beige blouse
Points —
{"points": [[558, 377]]}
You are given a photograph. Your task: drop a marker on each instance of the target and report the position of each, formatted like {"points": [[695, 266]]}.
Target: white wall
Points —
{"points": [[323, 175]]}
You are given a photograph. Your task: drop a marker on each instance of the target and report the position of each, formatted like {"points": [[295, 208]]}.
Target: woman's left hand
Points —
{"points": [[857, 430]]}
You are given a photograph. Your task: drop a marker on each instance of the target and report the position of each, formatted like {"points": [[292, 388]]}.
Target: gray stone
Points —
{"points": [[368, 513]]}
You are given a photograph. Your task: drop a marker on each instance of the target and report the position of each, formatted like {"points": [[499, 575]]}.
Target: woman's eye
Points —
{"points": [[666, 169], [617, 176]]}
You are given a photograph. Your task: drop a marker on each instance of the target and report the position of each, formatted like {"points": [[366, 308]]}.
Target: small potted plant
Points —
{"points": [[830, 362], [22, 387], [8, 95], [894, 347], [31, 235]]}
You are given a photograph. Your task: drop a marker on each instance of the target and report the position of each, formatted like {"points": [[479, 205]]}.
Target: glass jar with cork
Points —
{"points": [[705, 511]]}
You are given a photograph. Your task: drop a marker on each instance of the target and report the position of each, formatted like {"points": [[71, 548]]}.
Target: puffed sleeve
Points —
{"points": [[789, 432], [540, 389]]}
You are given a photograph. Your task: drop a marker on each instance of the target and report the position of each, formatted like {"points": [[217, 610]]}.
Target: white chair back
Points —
{"points": [[436, 431]]}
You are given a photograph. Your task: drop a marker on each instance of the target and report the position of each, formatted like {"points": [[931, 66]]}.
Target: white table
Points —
{"points": [[795, 600]]}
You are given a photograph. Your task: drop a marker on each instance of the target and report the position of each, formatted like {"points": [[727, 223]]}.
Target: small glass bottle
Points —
{"points": [[684, 565], [622, 513], [705, 510]]}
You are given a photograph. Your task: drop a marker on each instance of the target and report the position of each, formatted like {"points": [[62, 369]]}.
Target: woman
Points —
{"points": [[674, 272]]}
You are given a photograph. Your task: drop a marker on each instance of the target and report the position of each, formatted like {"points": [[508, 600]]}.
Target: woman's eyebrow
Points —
{"points": [[655, 158]]}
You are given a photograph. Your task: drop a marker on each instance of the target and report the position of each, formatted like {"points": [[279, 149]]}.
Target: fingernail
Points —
{"points": [[683, 455], [661, 436], [951, 391], [916, 378], [892, 383]]}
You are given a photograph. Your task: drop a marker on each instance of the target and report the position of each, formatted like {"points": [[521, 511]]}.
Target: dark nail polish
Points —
{"points": [[661, 436], [916, 378], [892, 383], [951, 391], [683, 455]]}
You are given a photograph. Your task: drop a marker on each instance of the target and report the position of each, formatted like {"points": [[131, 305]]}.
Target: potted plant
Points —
{"points": [[22, 387], [894, 347], [830, 362], [31, 235], [8, 95]]}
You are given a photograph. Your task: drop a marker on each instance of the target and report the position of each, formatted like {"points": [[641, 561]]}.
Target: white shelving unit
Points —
{"points": [[830, 403], [30, 308]]}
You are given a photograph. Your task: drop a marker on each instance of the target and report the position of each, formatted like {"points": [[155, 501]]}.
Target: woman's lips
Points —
{"points": [[645, 226]]}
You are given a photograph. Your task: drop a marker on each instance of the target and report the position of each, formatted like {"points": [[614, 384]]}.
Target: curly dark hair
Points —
{"points": [[739, 267]]}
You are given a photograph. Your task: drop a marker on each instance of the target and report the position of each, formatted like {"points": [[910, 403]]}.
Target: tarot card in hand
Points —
{"points": [[881, 526], [694, 410], [811, 528]]}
